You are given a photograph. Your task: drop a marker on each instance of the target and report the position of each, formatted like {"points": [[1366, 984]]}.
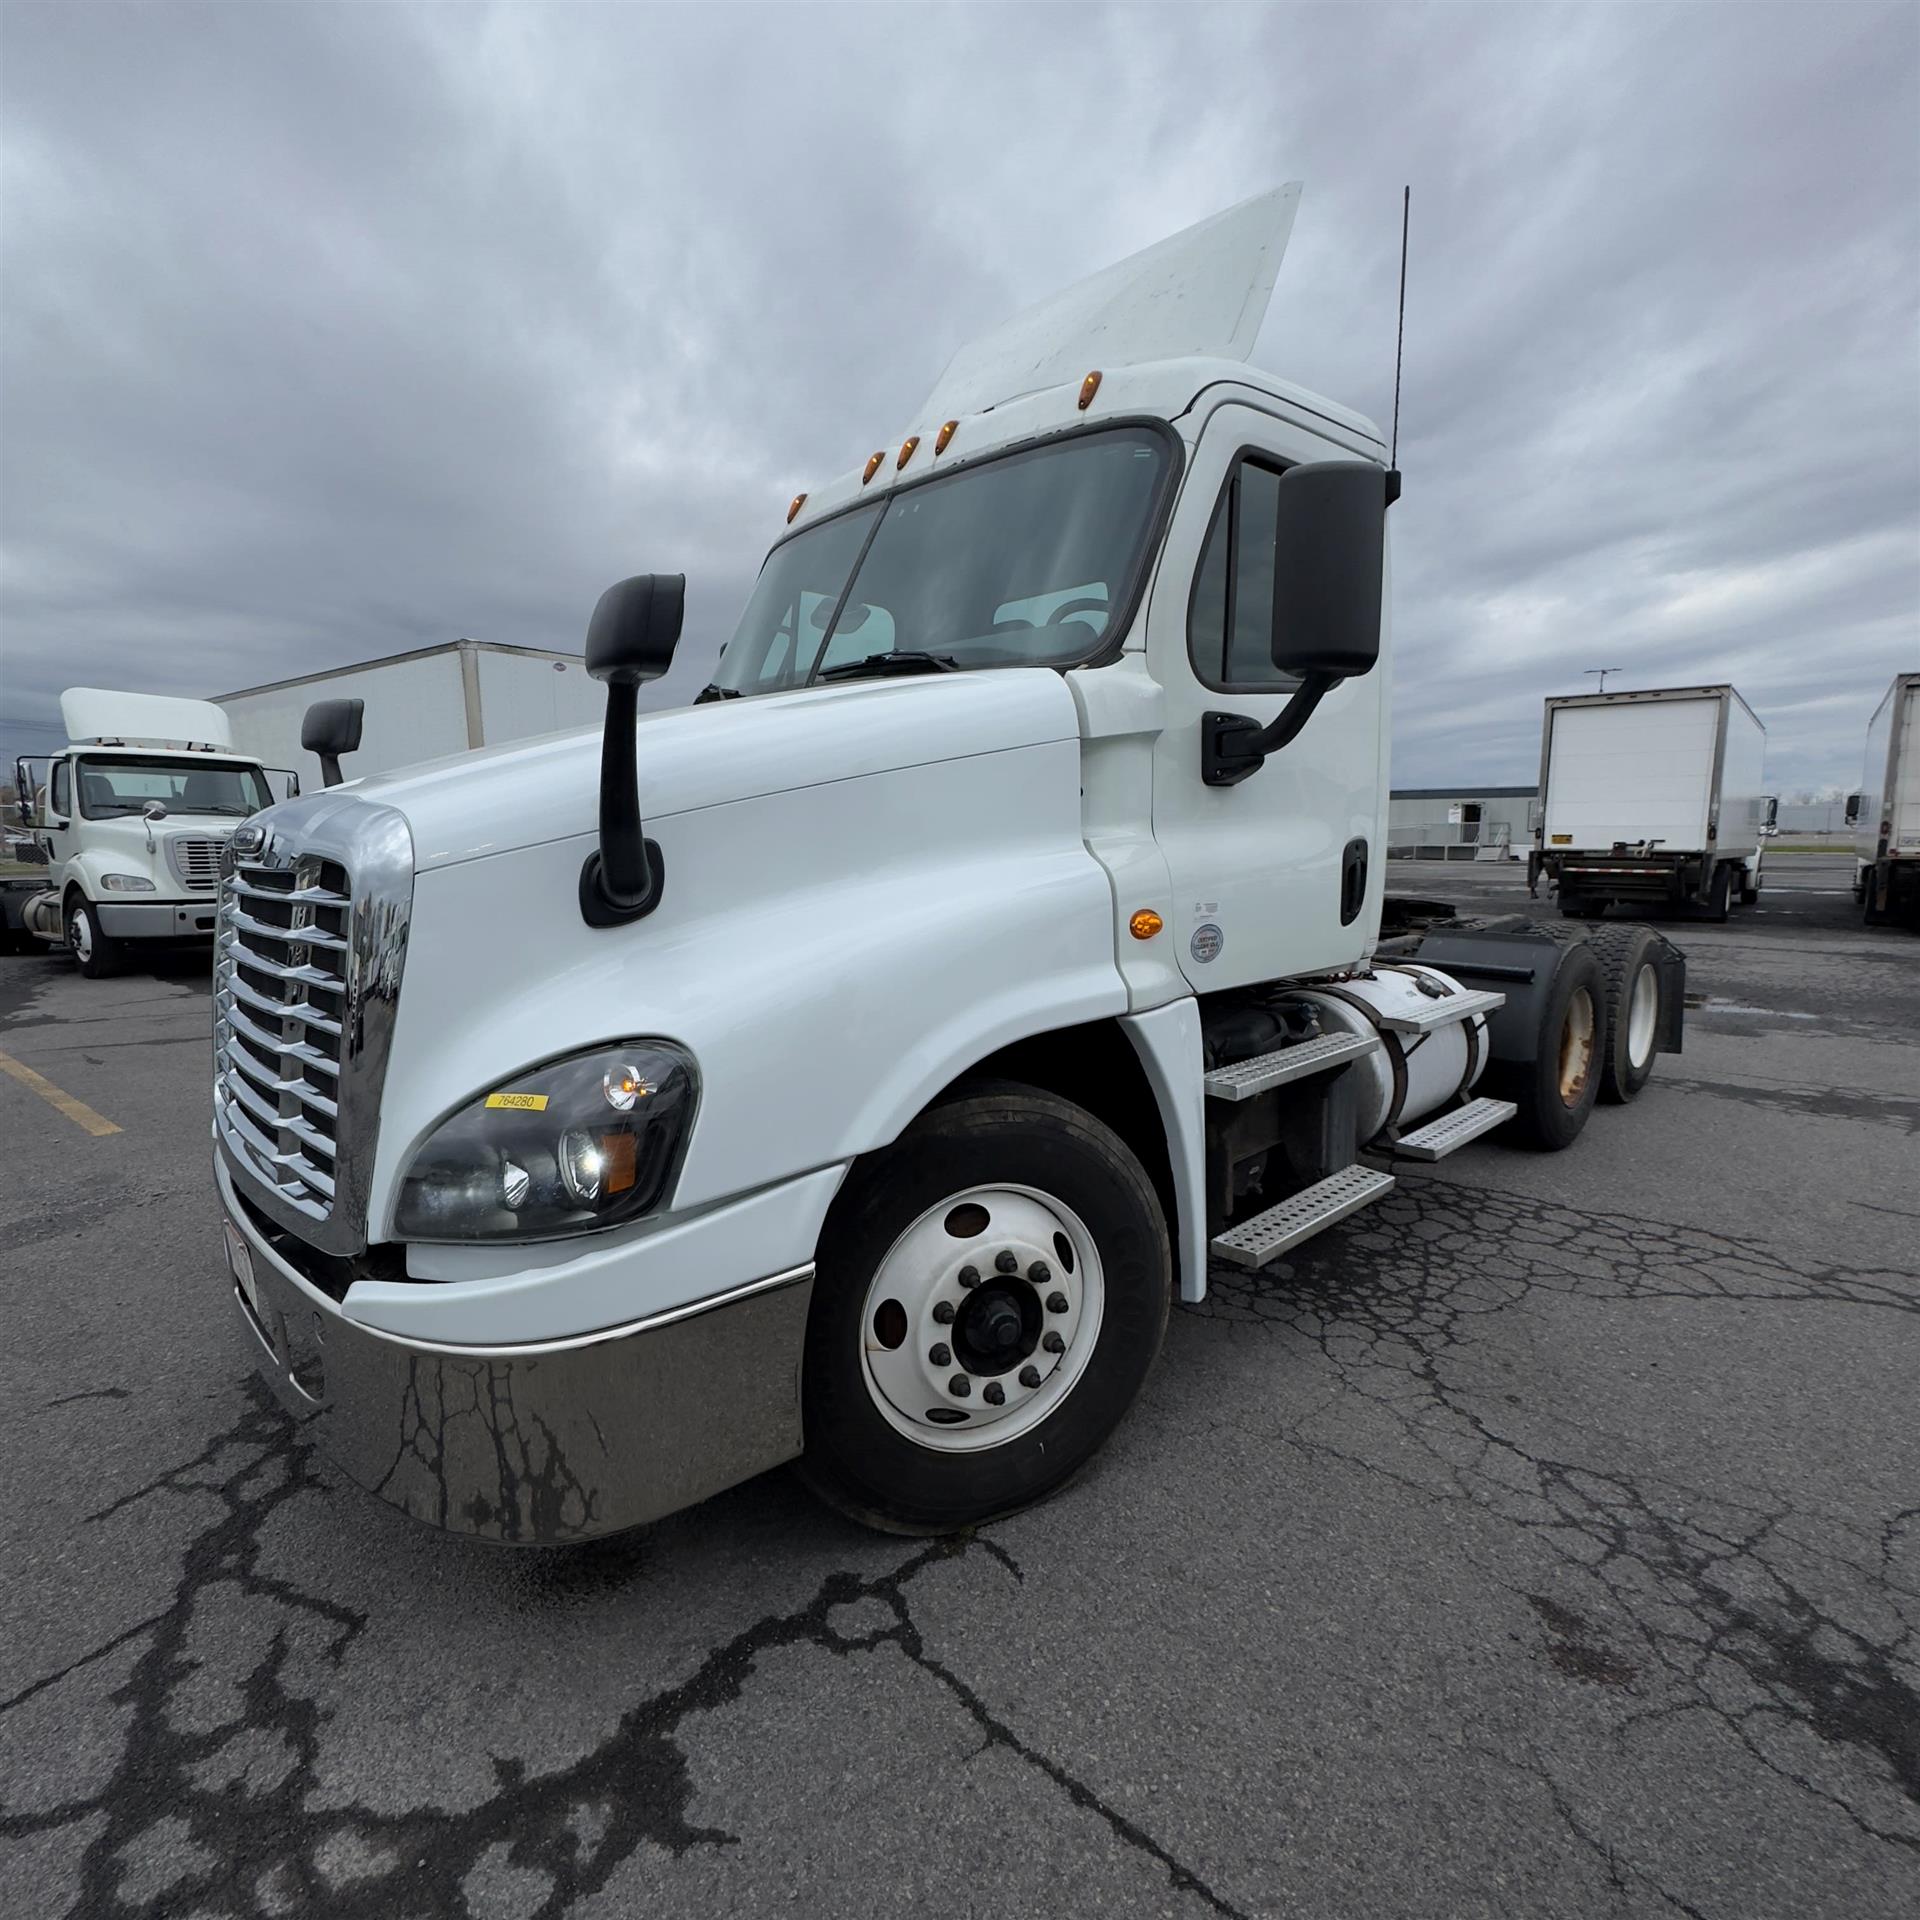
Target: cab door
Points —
{"points": [[1279, 874], [58, 829]]}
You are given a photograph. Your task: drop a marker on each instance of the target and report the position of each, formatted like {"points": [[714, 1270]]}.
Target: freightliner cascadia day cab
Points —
{"points": [[854, 1065], [1885, 813], [134, 814], [1652, 799]]}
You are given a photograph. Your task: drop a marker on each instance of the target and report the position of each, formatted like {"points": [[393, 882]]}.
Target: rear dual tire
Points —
{"points": [[1632, 996], [1554, 1091]]}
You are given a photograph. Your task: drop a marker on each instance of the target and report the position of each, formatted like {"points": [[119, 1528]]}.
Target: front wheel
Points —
{"points": [[95, 954], [992, 1290], [1720, 895]]}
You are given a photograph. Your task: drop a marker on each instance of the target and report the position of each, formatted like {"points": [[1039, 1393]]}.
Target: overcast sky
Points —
{"points": [[332, 330]]}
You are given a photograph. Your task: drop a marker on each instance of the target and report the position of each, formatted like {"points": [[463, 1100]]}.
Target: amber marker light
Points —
{"points": [[1088, 388], [873, 466], [799, 501], [906, 451], [945, 434], [1145, 924]]}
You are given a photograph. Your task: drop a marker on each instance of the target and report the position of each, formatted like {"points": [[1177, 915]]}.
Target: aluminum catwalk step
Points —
{"points": [[1253, 1243], [1265, 1071], [1438, 1138], [1443, 1012]]}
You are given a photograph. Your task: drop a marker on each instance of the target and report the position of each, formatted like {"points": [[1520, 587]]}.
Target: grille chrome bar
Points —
{"points": [[311, 941]]}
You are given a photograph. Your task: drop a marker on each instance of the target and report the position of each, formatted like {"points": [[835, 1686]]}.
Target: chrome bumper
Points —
{"points": [[535, 1445]]}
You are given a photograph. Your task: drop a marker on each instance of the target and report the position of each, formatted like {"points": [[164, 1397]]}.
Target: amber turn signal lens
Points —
{"points": [[945, 434], [799, 501], [906, 451], [1145, 924], [618, 1154], [873, 466], [1088, 388]]}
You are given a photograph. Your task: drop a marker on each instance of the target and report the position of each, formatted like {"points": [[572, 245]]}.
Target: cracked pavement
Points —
{"points": [[1544, 1541]]}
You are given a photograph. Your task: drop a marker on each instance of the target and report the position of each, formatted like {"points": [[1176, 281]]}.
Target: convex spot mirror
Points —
{"points": [[154, 810], [332, 726], [635, 628], [1329, 556]]}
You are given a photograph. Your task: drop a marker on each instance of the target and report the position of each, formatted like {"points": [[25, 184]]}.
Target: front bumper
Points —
{"points": [[157, 919], [538, 1444]]}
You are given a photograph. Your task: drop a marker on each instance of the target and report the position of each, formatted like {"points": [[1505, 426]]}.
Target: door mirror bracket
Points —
{"points": [[1232, 746]]}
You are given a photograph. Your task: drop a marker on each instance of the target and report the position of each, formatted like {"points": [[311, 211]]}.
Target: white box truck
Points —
{"points": [[854, 1065], [1652, 798], [421, 705], [1885, 813], [134, 814]]}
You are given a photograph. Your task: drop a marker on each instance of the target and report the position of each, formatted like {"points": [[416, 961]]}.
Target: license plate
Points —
{"points": [[240, 1259]]}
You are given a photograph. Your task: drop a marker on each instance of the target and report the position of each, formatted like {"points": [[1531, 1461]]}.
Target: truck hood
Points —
{"points": [[690, 758]]}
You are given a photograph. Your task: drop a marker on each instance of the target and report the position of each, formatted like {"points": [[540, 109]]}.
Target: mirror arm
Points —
{"points": [[622, 880], [1232, 746]]}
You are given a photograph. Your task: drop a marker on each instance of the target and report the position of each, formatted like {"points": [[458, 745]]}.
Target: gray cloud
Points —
{"points": [[327, 331]]}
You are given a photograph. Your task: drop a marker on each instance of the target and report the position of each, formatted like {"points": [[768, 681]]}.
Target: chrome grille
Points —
{"points": [[196, 859], [311, 935]]}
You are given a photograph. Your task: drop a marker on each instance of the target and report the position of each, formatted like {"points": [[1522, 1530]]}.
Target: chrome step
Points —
{"points": [[1444, 1012], [1264, 1071], [1438, 1138], [1255, 1242]]}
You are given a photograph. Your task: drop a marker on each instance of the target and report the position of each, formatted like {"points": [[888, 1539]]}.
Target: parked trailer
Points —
{"points": [[1000, 945], [1885, 813], [423, 705], [1652, 798]]}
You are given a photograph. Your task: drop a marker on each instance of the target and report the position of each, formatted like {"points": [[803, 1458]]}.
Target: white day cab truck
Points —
{"points": [[1652, 799], [134, 813], [1885, 813], [854, 1065]]}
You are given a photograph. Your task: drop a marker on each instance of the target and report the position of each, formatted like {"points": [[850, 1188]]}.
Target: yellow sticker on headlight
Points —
{"points": [[520, 1102]]}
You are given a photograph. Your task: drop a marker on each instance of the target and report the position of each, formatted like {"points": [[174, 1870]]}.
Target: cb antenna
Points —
{"points": [[1400, 337]]}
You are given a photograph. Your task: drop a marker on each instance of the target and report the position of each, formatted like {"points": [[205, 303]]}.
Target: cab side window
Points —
{"points": [[60, 797], [1230, 621]]}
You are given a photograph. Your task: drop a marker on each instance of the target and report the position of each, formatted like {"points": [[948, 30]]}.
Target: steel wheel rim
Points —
{"points": [[1576, 1047], [922, 1273], [80, 934], [1643, 1012]]}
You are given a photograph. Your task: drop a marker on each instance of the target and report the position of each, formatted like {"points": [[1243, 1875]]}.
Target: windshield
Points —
{"points": [[1017, 562], [110, 788]]}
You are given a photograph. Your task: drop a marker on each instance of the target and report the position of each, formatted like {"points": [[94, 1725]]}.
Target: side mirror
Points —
{"points": [[1329, 566], [1770, 804], [331, 728], [23, 792], [1853, 809], [630, 640]]}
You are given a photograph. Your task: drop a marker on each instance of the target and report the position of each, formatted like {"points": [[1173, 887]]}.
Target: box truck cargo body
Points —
{"points": [[1885, 813], [1653, 797], [422, 705]]}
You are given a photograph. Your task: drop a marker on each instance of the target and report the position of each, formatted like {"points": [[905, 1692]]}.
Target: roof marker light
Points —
{"points": [[945, 434], [873, 466], [799, 501], [906, 450], [1088, 388]]}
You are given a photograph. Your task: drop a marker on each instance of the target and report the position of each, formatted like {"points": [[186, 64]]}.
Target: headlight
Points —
{"points": [[126, 883], [577, 1144]]}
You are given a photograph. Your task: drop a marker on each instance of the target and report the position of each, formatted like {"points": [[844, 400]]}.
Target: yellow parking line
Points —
{"points": [[77, 1111]]}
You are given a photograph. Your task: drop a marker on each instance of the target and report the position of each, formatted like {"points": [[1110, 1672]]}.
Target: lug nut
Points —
{"points": [[993, 1393], [1056, 1303], [969, 1276], [1029, 1376], [940, 1356], [1039, 1273], [943, 1312], [959, 1386], [1054, 1344], [1007, 1262]]}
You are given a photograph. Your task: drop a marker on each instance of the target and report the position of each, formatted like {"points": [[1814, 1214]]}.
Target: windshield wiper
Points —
{"points": [[898, 660]]}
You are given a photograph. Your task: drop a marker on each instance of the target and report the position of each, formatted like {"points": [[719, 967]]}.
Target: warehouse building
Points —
{"points": [[1459, 823]]}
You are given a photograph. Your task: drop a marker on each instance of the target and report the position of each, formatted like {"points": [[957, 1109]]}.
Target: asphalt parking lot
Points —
{"points": [[1546, 1541]]}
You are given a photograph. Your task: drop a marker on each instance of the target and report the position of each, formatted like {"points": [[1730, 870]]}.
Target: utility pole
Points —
{"points": [[1603, 672]]}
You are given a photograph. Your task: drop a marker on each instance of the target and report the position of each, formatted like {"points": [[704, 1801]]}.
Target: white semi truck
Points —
{"points": [[854, 1066], [1885, 813], [134, 813], [1652, 798]]}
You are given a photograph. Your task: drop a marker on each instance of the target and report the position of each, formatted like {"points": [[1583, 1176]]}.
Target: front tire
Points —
{"points": [[94, 954], [1554, 1091], [1720, 897], [934, 1400]]}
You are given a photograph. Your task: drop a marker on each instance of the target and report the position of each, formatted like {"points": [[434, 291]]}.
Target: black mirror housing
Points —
{"points": [[1853, 809], [1329, 568], [331, 728], [635, 628]]}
